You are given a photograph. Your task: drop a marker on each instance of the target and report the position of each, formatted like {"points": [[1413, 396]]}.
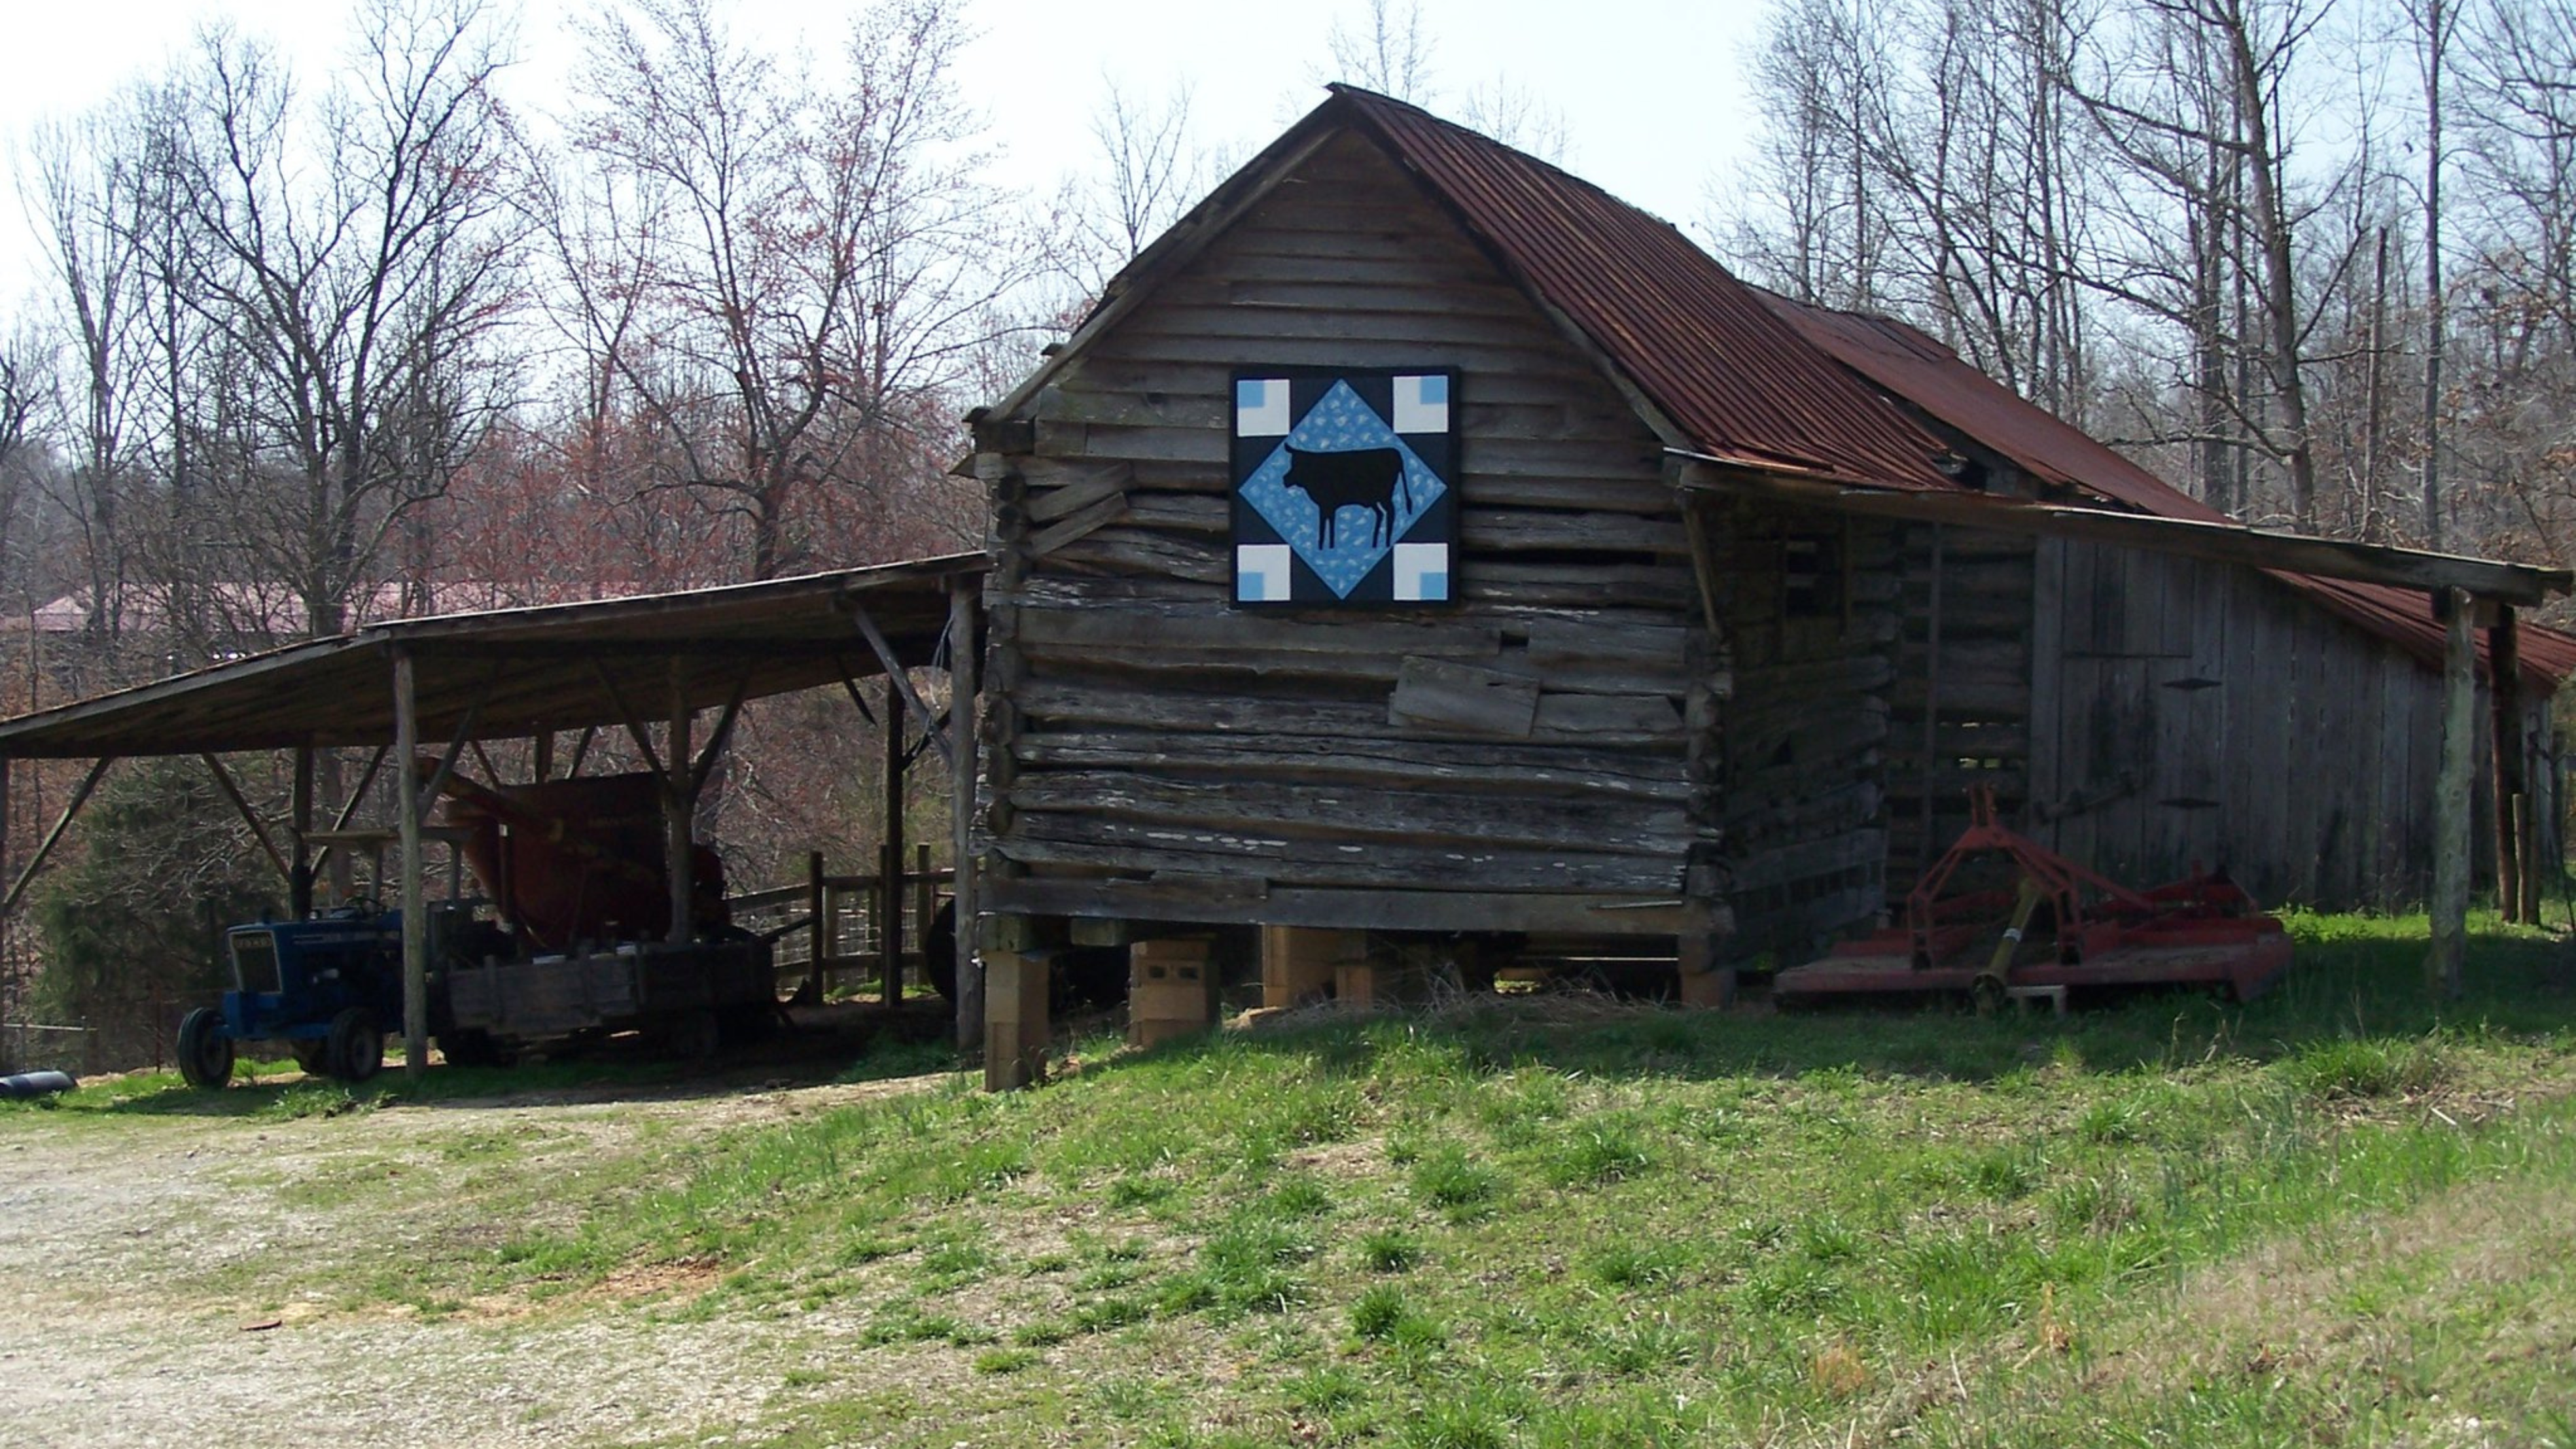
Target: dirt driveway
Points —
{"points": [[120, 1324]]}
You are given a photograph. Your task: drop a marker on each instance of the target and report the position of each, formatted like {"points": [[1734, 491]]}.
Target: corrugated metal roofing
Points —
{"points": [[1918, 369], [1696, 342]]}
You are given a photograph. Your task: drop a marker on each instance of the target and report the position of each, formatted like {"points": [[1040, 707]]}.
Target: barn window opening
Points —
{"points": [[1811, 576]]}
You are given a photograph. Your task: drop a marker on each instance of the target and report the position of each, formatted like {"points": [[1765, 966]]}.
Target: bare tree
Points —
{"points": [[1387, 53], [2433, 23], [352, 297], [1813, 225], [811, 261]]}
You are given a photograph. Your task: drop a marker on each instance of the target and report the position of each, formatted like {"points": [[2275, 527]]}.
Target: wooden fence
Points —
{"points": [[850, 925]]}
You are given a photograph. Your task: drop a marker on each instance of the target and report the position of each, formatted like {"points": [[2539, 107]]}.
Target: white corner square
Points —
{"points": [[1261, 407], [1422, 572], [1261, 573], [1421, 404]]}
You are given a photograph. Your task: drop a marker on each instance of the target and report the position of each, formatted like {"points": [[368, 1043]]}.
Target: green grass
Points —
{"points": [[2133, 1225]]}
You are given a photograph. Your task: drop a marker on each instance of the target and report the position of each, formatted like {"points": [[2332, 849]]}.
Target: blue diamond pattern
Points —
{"points": [[1340, 423]]}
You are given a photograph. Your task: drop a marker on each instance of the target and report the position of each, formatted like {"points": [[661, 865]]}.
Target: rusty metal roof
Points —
{"points": [[1920, 370], [1683, 331]]}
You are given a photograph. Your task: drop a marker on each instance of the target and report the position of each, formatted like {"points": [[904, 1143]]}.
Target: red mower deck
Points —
{"points": [[2061, 927]]}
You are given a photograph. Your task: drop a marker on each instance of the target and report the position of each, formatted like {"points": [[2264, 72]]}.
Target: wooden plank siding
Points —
{"points": [[1533, 738], [2196, 712]]}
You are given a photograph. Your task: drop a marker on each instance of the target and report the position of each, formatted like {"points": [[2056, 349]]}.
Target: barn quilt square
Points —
{"points": [[1345, 486]]}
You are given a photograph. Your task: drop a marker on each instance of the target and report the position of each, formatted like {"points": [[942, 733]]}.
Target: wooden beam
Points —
{"points": [[2457, 776], [850, 687], [718, 738], [890, 852], [963, 774], [1214, 902], [258, 828], [415, 924], [300, 810], [2186, 537], [2504, 716], [895, 673], [581, 751], [446, 762], [349, 810], [634, 722], [1703, 564], [54, 837], [679, 809]]}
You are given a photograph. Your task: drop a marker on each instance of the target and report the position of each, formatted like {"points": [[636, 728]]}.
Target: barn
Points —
{"points": [[1639, 604]]}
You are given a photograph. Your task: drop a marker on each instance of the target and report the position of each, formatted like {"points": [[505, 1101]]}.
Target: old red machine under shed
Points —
{"points": [[2055, 925]]}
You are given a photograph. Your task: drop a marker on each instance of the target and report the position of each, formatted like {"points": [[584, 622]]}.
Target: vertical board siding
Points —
{"points": [[2317, 742], [1150, 729]]}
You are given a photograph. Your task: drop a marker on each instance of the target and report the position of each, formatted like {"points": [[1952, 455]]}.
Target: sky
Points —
{"points": [[1647, 89]]}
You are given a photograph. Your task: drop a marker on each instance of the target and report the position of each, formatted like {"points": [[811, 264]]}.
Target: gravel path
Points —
{"points": [[97, 1218]]}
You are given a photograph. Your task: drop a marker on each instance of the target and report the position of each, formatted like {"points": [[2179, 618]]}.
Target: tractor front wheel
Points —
{"points": [[205, 1052], [356, 1049]]}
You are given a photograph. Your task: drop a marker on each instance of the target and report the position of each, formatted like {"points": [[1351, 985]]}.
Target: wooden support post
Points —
{"points": [[890, 855], [2527, 879], [415, 924], [963, 775], [1928, 847], [2451, 844], [541, 757], [1298, 963], [817, 929], [679, 809], [5, 763], [2504, 710], [300, 881], [1705, 981], [1016, 1029], [925, 899]]}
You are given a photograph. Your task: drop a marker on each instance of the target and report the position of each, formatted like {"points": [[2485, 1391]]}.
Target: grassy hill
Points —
{"points": [[2339, 1215]]}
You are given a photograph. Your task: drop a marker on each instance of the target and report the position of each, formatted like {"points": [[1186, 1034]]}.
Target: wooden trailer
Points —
{"points": [[1603, 622]]}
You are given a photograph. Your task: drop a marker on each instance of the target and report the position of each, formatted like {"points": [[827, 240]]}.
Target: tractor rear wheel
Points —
{"points": [[205, 1052], [356, 1048]]}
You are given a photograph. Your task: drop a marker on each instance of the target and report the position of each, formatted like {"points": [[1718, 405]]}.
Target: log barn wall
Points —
{"points": [[1811, 614], [1964, 721], [1530, 740]]}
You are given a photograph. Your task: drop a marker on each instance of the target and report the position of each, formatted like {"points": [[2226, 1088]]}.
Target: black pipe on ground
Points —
{"points": [[35, 1084]]}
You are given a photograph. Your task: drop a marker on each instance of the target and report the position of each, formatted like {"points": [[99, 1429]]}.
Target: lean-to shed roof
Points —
{"points": [[1915, 367], [505, 672]]}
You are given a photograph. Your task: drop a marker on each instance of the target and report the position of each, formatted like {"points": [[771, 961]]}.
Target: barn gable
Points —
{"points": [[1525, 748]]}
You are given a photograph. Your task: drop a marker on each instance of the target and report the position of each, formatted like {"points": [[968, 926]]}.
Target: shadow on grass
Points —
{"points": [[2352, 978], [622, 1071]]}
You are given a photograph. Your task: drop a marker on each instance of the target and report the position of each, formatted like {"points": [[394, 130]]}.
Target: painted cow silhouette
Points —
{"points": [[1370, 478]]}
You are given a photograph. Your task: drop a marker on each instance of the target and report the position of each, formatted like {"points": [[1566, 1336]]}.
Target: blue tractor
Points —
{"points": [[328, 987]]}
